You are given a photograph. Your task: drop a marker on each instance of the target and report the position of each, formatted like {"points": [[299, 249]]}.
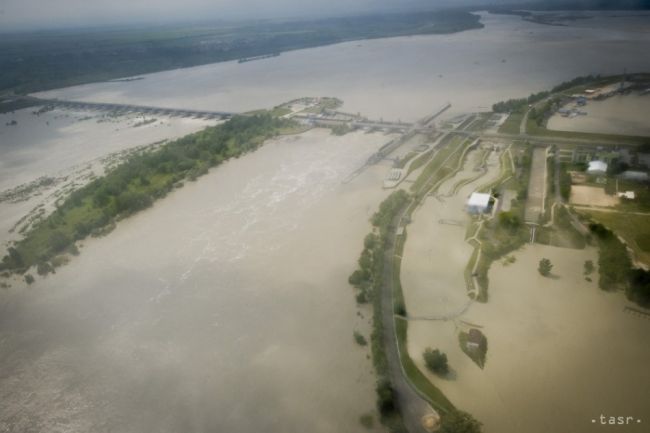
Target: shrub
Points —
{"points": [[436, 361], [385, 397], [545, 267], [458, 421], [360, 339]]}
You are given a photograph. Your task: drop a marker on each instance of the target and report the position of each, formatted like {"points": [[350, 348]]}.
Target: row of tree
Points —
{"points": [[519, 105], [136, 184]]}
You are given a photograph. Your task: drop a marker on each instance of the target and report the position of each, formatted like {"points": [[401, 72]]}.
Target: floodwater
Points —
{"points": [[435, 254], [619, 114], [561, 352], [399, 78], [225, 307]]}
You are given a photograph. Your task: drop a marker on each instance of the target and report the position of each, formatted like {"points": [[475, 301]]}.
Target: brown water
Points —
{"points": [[620, 114], [561, 352], [399, 78], [224, 308]]}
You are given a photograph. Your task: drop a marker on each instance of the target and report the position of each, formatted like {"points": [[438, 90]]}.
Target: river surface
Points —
{"points": [[226, 307], [399, 78]]}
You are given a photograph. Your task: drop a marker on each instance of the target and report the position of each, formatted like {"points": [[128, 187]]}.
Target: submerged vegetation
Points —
{"points": [[135, 185], [368, 280], [615, 267]]}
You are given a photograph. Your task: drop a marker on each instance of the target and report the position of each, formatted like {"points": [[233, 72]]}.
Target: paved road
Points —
{"points": [[411, 404], [536, 187]]}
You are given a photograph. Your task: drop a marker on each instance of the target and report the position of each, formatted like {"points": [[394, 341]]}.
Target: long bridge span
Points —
{"points": [[131, 108]]}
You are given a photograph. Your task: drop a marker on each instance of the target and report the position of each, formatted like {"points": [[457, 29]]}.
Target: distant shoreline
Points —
{"points": [[155, 49]]}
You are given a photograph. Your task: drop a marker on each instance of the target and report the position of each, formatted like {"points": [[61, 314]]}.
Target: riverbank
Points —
{"points": [[236, 282], [392, 78], [106, 55], [134, 186]]}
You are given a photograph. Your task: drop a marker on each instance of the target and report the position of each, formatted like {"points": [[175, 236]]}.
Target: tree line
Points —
{"points": [[135, 185]]}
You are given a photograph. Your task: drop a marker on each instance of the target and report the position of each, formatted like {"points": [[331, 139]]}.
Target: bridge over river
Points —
{"points": [[130, 108]]}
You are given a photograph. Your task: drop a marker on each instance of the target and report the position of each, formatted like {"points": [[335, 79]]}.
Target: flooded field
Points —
{"points": [[568, 344], [399, 78], [435, 254], [619, 114], [556, 345], [225, 307]]}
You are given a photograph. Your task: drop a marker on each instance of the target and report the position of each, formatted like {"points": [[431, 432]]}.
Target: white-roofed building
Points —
{"points": [[478, 203], [597, 167]]}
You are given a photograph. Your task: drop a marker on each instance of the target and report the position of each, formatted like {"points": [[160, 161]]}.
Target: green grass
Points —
{"points": [[480, 121], [420, 161], [634, 229], [505, 172], [512, 123], [643, 241], [437, 399], [466, 122], [444, 162]]}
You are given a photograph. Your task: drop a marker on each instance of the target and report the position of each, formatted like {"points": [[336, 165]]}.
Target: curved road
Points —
{"points": [[412, 406]]}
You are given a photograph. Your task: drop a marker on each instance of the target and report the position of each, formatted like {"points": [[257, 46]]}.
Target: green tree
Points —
{"points": [[509, 220], [458, 421], [59, 241], [545, 267], [589, 267], [359, 338], [385, 397], [436, 361]]}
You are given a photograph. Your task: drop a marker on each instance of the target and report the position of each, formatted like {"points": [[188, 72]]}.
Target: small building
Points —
{"points": [[597, 167], [475, 339], [478, 203]]}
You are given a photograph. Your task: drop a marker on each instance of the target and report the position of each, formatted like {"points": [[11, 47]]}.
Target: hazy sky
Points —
{"points": [[23, 14], [29, 13]]}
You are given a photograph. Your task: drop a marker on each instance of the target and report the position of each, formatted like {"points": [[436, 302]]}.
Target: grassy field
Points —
{"points": [[417, 378], [634, 229], [444, 162], [512, 123]]}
